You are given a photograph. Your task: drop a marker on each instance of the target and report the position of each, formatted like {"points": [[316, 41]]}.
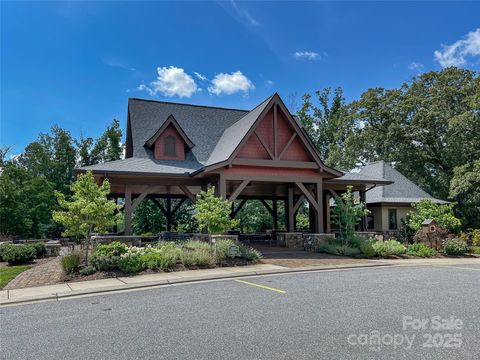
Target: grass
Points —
{"points": [[8, 273]]}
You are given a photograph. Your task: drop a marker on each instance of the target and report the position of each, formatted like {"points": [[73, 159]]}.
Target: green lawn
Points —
{"points": [[8, 273]]}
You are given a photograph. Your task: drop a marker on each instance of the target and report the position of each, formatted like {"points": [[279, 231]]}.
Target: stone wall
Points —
{"points": [[311, 242]]}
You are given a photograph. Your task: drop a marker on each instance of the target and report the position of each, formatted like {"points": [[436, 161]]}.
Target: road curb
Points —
{"points": [[193, 279]]}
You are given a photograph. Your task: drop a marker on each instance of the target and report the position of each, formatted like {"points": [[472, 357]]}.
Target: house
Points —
{"points": [[173, 151], [389, 204]]}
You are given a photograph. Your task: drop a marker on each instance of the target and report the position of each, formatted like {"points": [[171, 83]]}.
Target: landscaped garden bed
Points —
{"points": [[118, 259]]}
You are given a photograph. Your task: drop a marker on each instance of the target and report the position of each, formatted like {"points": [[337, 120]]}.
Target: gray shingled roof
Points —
{"points": [[402, 190], [203, 125], [351, 177], [147, 166]]}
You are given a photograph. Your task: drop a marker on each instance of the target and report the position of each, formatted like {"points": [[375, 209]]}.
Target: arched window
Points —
{"points": [[169, 146]]}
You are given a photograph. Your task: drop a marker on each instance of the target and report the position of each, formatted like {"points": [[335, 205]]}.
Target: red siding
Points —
{"points": [[179, 145], [253, 149]]}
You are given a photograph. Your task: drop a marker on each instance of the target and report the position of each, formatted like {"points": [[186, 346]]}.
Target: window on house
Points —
{"points": [[392, 219], [169, 144]]}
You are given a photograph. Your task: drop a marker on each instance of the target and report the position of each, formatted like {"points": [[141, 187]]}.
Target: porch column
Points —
{"points": [[363, 222], [169, 213], [128, 211], [319, 198], [328, 226], [275, 214], [291, 213], [222, 187]]}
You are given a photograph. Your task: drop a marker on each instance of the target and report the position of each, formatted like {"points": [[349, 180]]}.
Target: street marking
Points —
{"points": [[457, 267], [261, 286]]}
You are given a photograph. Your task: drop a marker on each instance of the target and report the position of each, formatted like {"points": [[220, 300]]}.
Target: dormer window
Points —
{"points": [[169, 146]]}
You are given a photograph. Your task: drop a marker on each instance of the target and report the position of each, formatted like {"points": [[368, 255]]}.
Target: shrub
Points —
{"points": [[475, 250], [197, 245], [455, 247], [104, 263], [250, 253], [475, 234], [40, 249], [197, 258], [221, 249], [366, 248], [420, 250], [2, 249], [341, 250], [131, 264], [18, 254], [115, 248], [71, 263], [152, 260], [388, 248], [88, 270], [169, 259]]}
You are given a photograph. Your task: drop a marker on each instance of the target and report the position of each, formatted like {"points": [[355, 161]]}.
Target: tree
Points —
{"points": [[213, 213], [52, 156], [108, 146], [441, 213], [465, 189], [347, 213], [88, 210], [327, 125], [26, 202]]}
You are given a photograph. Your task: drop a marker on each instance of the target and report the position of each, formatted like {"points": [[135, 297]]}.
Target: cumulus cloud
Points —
{"points": [[230, 84], [457, 53], [306, 55], [171, 81]]}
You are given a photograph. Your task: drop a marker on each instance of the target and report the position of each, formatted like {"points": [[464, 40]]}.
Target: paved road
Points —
{"points": [[325, 315]]}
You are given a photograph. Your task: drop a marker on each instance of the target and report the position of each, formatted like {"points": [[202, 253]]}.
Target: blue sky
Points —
{"points": [[76, 63]]}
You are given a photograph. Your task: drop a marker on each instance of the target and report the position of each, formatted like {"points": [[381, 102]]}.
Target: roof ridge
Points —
{"points": [[186, 104]]}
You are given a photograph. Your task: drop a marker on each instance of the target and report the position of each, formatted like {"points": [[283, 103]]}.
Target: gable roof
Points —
{"points": [[203, 125], [170, 121], [402, 191], [213, 134]]}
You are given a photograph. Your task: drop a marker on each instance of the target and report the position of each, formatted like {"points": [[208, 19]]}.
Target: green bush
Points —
{"points": [[197, 245], [70, 263], [250, 253], [88, 270], [475, 250], [366, 248], [221, 249], [475, 234], [104, 262], [388, 248], [455, 247], [201, 258], [420, 250], [152, 260], [2, 249], [132, 264], [115, 248], [18, 254], [340, 250], [40, 249]]}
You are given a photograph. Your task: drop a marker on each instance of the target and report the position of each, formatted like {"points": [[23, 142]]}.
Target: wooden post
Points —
{"points": [[291, 215], [222, 187], [275, 214], [169, 213], [128, 211], [319, 197]]}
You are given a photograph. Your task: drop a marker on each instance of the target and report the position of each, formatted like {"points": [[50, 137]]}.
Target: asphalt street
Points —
{"points": [[421, 312]]}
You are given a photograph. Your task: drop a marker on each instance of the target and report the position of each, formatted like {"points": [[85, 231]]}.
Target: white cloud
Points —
{"points": [[415, 66], [306, 55], [230, 84], [268, 83], [457, 53], [200, 76], [116, 63], [171, 81], [243, 15]]}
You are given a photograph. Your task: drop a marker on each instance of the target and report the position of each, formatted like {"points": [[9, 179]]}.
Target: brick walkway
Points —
{"points": [[293, 258], [47, 273]]}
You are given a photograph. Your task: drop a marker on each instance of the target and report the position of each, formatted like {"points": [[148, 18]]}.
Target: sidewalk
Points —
{"points": [[68, 289]]}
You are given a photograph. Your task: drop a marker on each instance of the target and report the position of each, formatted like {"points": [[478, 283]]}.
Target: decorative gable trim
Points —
{"points": [[170, 121]]}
